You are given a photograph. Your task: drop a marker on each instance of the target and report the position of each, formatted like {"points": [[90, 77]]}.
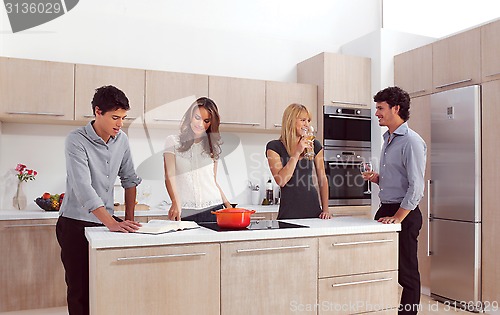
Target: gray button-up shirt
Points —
{"points": [[92, 166], [402, 168]]}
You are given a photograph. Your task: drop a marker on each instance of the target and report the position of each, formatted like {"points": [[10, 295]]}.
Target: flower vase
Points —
{"points": [[19, 201]]}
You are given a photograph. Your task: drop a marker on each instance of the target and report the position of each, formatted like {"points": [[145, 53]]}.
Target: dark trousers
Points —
{"points": [[75, 258], [408, 276], [204, 215]]}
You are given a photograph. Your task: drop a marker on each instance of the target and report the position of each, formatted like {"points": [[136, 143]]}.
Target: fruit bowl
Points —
{"points": [[50, 202]]}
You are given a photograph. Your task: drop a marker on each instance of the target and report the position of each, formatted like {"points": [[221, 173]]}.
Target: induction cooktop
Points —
{"points": [[255, 225]]}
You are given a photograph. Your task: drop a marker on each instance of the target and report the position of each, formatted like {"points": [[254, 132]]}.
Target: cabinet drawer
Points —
{"points": [[359, 253], [359, 293]]}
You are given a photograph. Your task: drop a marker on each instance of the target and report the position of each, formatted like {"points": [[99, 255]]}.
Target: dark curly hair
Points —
{"points": [[109, 98], [212, 141], [395, 96]]}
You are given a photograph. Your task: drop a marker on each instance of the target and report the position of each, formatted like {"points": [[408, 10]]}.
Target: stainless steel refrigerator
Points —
{"points": [[455, 195]]}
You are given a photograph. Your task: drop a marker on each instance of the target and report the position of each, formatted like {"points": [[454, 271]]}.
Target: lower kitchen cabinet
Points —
{"points": [[31, 272], [289, 280], [156, 280], [359, 293]]}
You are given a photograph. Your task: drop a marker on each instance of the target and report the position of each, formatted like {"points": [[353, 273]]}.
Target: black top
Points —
{"points": [[299, 197]]}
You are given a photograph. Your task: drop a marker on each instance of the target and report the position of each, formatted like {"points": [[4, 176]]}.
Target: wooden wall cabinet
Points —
{"points": [[281, 94], [31, 271], [413, 71], [490, 45], [170, 94], [290, 276], [89, 77], [420, 121], [241, 102], [456, 61], [165, 280], [490, 187], [36, 90]]}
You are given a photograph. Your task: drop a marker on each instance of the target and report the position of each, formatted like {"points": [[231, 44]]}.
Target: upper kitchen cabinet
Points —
{"points": [[241, 102], [342, 80], [456, 60], [169, 95], [89, 77], [413, 71], [36, 90], [281, 94], [490, 45]]}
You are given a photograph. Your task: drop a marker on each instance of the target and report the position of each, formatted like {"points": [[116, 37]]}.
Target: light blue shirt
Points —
{"points": [[92, 167], [402, 168]]}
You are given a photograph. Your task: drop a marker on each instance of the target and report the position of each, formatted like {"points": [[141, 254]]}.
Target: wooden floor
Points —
{"points": [[429, 307]]}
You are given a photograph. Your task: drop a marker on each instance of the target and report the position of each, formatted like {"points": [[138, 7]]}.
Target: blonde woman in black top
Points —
{"points": [[294, 173]]}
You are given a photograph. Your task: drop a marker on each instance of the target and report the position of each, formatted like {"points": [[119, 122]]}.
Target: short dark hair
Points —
{"points": [[109, 98], [395, 96]]}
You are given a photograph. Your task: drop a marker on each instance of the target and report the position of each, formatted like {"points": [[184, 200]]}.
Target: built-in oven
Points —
{"points": [[345, 182], [346, 127]]}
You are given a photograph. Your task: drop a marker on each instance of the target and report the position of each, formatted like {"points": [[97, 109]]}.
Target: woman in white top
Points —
{"points": [[190, 163]]}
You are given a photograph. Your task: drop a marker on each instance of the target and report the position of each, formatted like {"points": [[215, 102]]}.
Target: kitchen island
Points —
{"points": [[344, 266]]}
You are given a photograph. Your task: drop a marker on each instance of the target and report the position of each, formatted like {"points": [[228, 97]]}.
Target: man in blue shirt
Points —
{"points": [[401, 182], [95, 155]]}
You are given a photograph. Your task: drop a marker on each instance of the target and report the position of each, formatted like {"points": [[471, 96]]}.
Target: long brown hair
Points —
{"points": [[288, 131], [211, 141]]}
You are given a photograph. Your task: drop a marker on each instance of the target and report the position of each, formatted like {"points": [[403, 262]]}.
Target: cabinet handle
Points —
{"points": [[419, 91], [30, 225], [271, 248], [126, 118], [493, 74], [277, 125], [348, 103], [452, 83], [239, 123], [429, 217], [361, 242], [360, 282], [36, 113], [167, 120], [159, 256]]}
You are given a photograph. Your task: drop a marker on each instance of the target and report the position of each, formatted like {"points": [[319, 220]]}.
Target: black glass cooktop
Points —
{"points": [[255, 225]]}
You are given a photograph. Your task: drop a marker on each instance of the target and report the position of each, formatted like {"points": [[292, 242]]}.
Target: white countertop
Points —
{"points": [[38, 213], [101, 237]]}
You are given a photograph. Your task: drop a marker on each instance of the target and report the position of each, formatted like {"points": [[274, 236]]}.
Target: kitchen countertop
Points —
{"points": [[37, 213], [102, 238]]}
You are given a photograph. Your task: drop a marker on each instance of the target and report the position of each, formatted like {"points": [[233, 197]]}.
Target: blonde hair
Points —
{"points": [[288, 131]]}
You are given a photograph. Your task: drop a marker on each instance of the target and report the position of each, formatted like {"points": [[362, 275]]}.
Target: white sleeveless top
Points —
{"points": [[194, 175]]}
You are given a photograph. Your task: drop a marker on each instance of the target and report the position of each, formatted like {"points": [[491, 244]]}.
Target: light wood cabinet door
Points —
{"points": [[360, 253], [351, 211], [359, 293], [281, 94], [420, 121], [89, 77], [289, 280], [456, 61], [490, 45], [241, 102], [160, 280], [31, 271], [413, 71], [36, 90], [490, 189], [169, 95]]}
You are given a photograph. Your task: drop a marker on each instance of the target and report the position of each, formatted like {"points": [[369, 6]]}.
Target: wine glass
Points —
{"points": [[308, 133], [145, 194], [366, 169]]}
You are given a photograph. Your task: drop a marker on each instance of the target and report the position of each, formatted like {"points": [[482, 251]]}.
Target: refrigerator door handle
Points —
{"points": [[429, 217]]}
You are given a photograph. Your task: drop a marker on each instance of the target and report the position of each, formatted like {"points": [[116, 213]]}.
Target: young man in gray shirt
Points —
{"points": [[401, 182], [95, 155]]}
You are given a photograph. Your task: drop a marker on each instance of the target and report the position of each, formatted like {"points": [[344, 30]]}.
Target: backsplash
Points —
{"points": [[41, 147]]}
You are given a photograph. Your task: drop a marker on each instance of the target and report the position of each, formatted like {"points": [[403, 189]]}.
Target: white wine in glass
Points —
{"points": [[308, 133], [366, 169]]}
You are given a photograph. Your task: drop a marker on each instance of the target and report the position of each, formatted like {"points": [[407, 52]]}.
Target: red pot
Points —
{"points": [[233, 218]]}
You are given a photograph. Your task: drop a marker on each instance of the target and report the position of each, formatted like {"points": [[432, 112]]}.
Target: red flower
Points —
{"points": [[24, 174], [29, 172]]}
